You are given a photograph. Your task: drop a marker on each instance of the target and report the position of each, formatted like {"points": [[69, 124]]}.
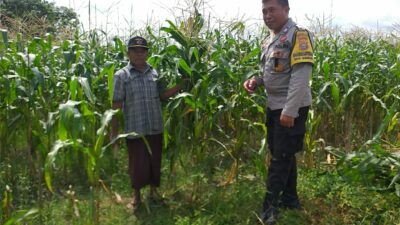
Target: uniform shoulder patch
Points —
{"points": [[302, 48]]}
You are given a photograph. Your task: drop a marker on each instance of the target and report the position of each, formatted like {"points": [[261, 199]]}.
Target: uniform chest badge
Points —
{"points": [[283, 39]]}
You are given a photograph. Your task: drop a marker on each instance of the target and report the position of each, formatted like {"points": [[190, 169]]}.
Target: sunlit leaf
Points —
{"points": [[21, 215], [51, 157]]}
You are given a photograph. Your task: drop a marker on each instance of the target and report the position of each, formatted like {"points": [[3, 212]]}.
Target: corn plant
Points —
{"points": [[56, 97]]}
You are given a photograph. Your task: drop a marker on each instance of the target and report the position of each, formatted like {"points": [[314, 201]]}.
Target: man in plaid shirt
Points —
{"points": [[137, 91]]}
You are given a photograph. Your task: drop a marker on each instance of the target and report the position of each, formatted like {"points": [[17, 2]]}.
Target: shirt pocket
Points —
{"points": [[150, 87], [279, 62], [133, 87]]}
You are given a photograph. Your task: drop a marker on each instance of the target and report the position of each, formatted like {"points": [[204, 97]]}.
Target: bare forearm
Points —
{"points": [[115, 126], [114, 122], [170, 92]]}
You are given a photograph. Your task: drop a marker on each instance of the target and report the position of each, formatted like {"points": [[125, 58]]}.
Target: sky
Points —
{"points": [[118, 16]]}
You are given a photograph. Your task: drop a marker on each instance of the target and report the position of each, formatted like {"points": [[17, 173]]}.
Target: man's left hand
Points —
{"points": [[287, 121]]}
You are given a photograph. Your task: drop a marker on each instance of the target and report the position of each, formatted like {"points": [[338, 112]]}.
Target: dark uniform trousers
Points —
{"points": [[283, 143]]}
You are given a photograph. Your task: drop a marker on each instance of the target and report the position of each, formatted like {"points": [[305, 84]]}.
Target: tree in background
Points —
{"points": [[36, 17]]}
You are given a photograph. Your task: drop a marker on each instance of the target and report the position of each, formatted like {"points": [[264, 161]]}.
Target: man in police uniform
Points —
{"points": [[286, 60]]}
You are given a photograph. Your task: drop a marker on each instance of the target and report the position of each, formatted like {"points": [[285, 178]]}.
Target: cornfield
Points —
{"points": [[56, 99]]}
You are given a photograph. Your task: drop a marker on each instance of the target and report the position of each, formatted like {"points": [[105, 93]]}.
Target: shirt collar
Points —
{"points": [[289, 24], [132, 67]]}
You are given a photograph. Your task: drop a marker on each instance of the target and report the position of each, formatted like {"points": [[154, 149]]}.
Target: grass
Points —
{"points": [[196, 197]]}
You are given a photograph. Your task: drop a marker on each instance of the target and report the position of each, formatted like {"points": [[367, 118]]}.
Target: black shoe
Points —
{"points": [[290, 205], [270, 216], [289, 202]]}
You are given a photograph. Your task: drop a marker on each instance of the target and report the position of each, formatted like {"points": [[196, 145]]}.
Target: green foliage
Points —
{"points": [[376, 169], [326, 198], [21, 216], [350, 74], [55, 116], [336, 201]]}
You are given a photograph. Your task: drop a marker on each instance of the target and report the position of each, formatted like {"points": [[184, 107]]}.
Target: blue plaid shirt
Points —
{"points": [[140, 94]]}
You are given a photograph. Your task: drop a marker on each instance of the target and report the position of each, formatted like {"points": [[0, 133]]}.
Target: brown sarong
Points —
{"points": [[145, 168]]}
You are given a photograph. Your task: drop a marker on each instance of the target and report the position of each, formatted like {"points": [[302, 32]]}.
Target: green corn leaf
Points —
{"points": [[384, 124], [102, 131], [395, 181], [110, 76], [378, 100], [68, 113], [185, 67], [38, 80], [335, 93], [194, 52], [393, 122], [51, 157], [4, 33], [120, 136], [73, 88], [21, 216], [263, 146], [253, 54], [175, 34], [345, 102], [326, 70], [86, 88]]}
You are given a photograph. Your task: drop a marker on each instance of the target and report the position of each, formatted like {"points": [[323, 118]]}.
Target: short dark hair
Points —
{"points": [[280, 2]]}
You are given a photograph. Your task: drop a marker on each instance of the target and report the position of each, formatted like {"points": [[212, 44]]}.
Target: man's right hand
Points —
{"points": [[114, 130], [114, 127], [250, 85], [114, 134]]}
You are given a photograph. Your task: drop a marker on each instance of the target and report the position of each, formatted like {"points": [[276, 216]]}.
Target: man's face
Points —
{"points": [[138, 56], [275, 15]]}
